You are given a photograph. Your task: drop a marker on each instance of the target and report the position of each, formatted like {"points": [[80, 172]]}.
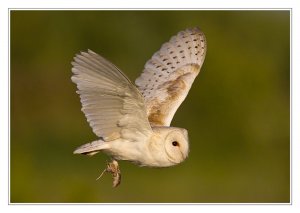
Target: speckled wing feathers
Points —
{"points": [[169, 74], [112, 105]]}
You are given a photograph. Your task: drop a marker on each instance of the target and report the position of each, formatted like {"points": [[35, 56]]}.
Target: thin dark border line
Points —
{"points": [[8, 116], [162, 203], [208, 8], [168, 9], [129, 204], [291, 106]]}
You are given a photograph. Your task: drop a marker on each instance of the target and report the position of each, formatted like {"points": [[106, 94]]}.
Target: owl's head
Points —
{"points": [[175, 143]]}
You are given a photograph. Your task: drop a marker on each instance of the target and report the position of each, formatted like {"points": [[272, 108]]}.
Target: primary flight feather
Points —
{"points": [[132, 122]]}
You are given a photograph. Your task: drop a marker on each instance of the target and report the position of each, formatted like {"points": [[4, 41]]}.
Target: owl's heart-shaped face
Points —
{"points": [[177, 146], [169, 146]]}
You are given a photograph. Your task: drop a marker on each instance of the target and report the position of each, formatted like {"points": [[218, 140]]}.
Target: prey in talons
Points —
{"points": [[114, 169]]}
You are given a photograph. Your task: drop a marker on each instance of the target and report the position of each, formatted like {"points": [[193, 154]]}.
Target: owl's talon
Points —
{"points": [[113, 168]]}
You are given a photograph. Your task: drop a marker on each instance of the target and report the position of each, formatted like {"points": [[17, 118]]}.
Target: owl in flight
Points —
{"points": [[133, 121]]}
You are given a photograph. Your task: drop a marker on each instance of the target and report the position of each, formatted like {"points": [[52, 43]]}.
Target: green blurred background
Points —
{"points": [[237, 112]]}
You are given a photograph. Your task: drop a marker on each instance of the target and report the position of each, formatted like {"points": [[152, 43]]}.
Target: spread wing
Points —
{"points": [[170, 73], [112, 105]]}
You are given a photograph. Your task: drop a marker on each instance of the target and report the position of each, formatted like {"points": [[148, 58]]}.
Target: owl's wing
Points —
{"points": [[169, 74], [112, 105]]}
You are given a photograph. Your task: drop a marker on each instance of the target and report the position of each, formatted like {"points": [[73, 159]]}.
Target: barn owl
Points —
{"points": [[132, 122]]}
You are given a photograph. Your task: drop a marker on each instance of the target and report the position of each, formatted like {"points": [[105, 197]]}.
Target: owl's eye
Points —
{"points": [[175, 143]]}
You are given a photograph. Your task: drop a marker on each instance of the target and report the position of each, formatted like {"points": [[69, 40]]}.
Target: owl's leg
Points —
{"points": [[113, 168]]}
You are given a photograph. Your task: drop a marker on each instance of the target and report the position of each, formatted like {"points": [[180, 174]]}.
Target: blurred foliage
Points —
{"points": [[237, 112]]}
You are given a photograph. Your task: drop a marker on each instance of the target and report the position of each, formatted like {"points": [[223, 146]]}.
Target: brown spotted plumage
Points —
{"points": [[169, 74]]}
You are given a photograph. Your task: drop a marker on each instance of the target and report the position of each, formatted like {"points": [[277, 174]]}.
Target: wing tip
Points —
{"points": [[83, 54], [196, 29], [187, 47], [91, 52]]}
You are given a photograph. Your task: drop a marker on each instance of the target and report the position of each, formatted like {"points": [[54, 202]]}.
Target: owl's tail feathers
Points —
{"points": [[91, 148]]}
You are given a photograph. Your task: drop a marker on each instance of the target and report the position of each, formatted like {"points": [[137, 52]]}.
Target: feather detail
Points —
{"points": [[91, 148], [169, 74], [110, 102]]}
